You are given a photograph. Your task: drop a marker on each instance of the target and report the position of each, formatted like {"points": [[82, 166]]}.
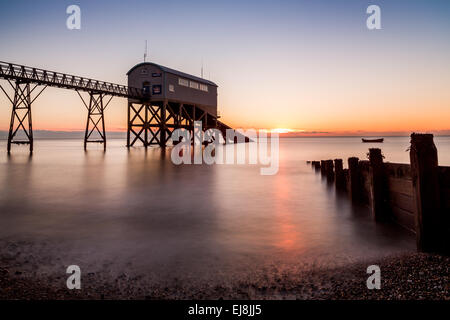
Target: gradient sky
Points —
{"points": [[304, 65]]}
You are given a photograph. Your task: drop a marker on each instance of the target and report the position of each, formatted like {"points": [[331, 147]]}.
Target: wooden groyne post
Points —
{"points": [[414, 196], [378, 181], [322, 167], [339, 174], [316, 165], [329, 170], [354, 179], [425, 179]]}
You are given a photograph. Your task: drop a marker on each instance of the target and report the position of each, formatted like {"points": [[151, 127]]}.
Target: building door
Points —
{"points": [[146, 89]]}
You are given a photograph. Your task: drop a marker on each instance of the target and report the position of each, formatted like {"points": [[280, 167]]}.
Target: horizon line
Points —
{"points": [[293, 134]]}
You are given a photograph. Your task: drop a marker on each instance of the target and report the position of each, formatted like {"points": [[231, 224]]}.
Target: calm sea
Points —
{"points": [[136, 211]]}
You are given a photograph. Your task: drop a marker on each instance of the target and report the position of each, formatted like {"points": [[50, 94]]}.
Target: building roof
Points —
{"points": [[175, 72]]}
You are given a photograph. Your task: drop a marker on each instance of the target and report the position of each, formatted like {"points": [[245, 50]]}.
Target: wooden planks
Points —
{"points": [[402, 201], [402, 186], [403, 218]]}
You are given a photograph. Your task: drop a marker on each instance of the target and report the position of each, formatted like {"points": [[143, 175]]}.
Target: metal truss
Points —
{"points": [[95, 124], [145, 124], [153, 123], [21, 113]]}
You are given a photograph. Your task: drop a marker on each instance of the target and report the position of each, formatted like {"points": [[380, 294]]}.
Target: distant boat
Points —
{"points": [[379, 140]]}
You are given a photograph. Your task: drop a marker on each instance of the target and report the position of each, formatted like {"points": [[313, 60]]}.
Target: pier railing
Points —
{"points": [[415, 196], [16, 72], [24, 80]]}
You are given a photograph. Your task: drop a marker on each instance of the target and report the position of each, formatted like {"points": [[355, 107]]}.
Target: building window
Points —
{"points": [[156, 89], [183, 82], [171, 88], [204, 87], [156, 75], [144, 71], [193, 85]]}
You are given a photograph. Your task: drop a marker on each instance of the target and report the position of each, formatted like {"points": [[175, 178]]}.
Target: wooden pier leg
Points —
{"points": [[424, 173], [379, 199], [339, 174], [354, 179]]}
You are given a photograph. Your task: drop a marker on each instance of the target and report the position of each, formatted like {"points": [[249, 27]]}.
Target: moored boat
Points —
{"points": [[378, 140]]}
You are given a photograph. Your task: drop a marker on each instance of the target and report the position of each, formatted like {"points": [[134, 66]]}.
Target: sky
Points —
{"points": [[308, 66]]}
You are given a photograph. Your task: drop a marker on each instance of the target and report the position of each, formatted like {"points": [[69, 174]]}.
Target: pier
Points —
{"points": [[414, 196], [151, 118]]}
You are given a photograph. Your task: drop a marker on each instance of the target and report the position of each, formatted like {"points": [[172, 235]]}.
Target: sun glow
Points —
{"points": [[281, 130]]}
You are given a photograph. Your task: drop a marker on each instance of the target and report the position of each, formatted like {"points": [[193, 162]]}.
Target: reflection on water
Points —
{"points": [[135, 209]]}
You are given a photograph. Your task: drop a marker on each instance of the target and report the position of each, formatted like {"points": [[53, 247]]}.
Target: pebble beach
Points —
{"points": [[404, 277]]}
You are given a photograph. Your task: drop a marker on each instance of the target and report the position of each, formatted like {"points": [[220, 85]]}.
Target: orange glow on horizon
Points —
{"points": [[281, 130]]}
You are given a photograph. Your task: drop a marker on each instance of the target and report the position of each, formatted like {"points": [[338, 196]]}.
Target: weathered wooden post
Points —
{"points": [[354, 179], [317, 165], [425, 179], [322, 167], [379, 196], [329, 170], [346, 180], [339, 174]]}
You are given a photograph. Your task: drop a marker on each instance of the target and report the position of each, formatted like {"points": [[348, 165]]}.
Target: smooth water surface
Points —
{"points": [[136, 210]]}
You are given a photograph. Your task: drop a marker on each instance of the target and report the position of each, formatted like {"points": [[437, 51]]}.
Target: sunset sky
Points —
{"points": [[309, 66]]}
